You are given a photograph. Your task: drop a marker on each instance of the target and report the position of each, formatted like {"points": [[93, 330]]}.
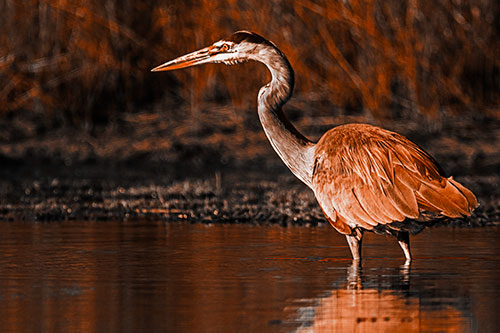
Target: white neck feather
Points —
{"points": [[296, 151]]}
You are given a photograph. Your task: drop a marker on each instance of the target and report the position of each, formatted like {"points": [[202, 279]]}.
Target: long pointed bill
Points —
{"points": [[195, 58]]}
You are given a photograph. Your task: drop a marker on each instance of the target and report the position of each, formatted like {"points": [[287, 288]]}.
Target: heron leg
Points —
{"points": [[353, 276], [355, 240], [403, 238]]}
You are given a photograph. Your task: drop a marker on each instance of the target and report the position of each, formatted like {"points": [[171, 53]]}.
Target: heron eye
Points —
{"points": [[224, 48]]}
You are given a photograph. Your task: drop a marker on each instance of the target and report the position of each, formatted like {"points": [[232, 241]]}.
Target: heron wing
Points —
{"points": [[369, 176]]}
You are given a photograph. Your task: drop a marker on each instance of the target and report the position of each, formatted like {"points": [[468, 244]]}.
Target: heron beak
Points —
{"points": [[195, 58]]}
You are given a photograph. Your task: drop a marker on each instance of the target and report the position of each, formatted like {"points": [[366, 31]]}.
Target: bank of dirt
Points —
{"points": [[148, 166], [104, 191]]}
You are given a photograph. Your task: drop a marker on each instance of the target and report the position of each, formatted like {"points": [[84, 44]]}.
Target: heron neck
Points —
{"points": [[296, 151]]}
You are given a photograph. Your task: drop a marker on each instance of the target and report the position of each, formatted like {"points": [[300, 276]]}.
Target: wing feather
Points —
{"points": [[471, 198], [350, 206], [371, 176], [366, 197]]}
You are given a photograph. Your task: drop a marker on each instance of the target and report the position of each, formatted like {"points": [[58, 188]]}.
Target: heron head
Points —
{"points": [[239, 47]]}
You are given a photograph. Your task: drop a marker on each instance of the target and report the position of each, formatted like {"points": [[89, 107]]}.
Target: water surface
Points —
{"points": [[155, 276]]}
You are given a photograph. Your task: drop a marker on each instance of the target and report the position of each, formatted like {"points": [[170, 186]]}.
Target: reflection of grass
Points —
{"points": [[86, 62]]}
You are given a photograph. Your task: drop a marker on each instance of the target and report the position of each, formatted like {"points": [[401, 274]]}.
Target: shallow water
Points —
{"points": [[155, 276]]}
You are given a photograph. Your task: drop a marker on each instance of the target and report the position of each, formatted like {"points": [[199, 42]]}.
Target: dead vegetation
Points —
{"points": [[85, 63]]}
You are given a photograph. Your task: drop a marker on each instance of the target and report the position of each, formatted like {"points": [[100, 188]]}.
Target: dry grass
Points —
{"points": [[84, 63]]}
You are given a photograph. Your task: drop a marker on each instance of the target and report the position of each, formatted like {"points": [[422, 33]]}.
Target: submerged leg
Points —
{"points": [[354, 242], [404, 241]]}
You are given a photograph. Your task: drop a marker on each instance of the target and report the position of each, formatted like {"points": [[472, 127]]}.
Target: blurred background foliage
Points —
{"points": [[76, 74]]}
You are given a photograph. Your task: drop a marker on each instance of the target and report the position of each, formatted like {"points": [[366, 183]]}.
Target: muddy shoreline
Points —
{"points": [[105, 191], [151, 167]]}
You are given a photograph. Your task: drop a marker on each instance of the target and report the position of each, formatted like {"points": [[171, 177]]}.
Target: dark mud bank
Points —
{"points": [[47, 191]]}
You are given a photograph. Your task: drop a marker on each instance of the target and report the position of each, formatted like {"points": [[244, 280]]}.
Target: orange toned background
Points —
{"points": [[86, 65]]}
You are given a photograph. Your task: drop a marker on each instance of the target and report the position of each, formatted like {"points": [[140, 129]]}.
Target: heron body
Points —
{"points": [[364, 177]]}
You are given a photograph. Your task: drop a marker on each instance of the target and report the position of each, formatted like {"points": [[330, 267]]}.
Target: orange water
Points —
{"points": [[153, 276]]}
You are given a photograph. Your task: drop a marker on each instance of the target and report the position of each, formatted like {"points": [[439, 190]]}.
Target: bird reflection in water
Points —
{"points": [[376, 302]]}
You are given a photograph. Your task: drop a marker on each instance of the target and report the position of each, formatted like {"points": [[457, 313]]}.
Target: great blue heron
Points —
{"points": [[364, 177]]}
